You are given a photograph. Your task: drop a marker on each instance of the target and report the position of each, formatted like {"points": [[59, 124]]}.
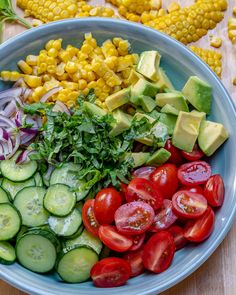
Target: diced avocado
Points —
{"points": [[139, 116], [159, 157], [201, 115], [154, 114], [198, 93], [186, 131], [93, 109], [164, 81], [147, 103], [148, 64], [134, 77], [123, 122], [211, 136], [140, 158], [169, 109], [148, 140], [142, 87], [118, 99], [175, 99], [169, 120]]}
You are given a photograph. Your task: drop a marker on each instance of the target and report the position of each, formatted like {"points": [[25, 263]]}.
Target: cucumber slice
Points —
{"points": [[66, 226], [76, 234], [29, 202], [3, 196], [17, 172], [59, 200], [7, 253], [79, 206], [75, 265], [14, 187], [38, 179], [10, 221], [36, 250]]}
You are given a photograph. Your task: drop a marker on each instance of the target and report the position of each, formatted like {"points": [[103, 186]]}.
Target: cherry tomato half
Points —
{"points": [[194, 173], [194, 189], [134, 258], [107, 201], [134, 218], [200, 229], [137, 242], [166, 179], [189, 205], [164, 218], [159, 252], [214, 190], [89, 219], [144, 172], [176, 157], [140, 189], [109, 235], [110, 272], [195, 155], [178, 234]]}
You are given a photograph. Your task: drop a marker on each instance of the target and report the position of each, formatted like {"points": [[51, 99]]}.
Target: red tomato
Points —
{"points": [[178, 234], [195, 155], [110, 272], [166, 179], [214, 190], [134, 258], [144, 172], [137, 242], [194, 189], [175, 157], [164, 218], [107, 201], [200, 229], [189, 205], [140, 189], [194, 173], [134, 218], [159, 252], [89, 219], [109, 235]]}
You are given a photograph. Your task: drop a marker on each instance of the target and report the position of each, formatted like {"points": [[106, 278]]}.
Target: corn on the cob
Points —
{"points": [[191, 23], [136, 6], [174, 6], [211, 57], [232, 29], [215, 41]]}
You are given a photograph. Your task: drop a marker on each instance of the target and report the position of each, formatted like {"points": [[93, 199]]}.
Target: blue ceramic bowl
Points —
{"points": [[179, 63]]}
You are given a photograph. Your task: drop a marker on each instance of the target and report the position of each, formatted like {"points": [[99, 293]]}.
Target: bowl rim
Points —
{"points": [[4, 274]]}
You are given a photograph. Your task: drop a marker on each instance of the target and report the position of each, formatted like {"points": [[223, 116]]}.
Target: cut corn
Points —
{"points": [[215, 41], [232, 29], [174, 6]]}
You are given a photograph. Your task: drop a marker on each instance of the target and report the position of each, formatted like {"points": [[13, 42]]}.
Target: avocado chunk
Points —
{"points": [[118, 99], [140, 158], [148, 140], [169, 109], [211, 136], [142, 87], [169, 120], [134, 77], [93, 109], [147, 103], [198, 93], [159, 157], [175, 99], [186, 131], [154, 114], [140, 116], [123, 122], [163, 81], [148, 64], [201, 115]]}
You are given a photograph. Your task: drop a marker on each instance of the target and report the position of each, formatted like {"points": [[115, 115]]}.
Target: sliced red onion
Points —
{"points": [[48, 173], [5, 100], [26, 138], [61, 107], [50, 93], [6, 122], [30, 131], [15, 92], [18, 83], [27, 93], [15, 148], [2, 158], [4, 135], [24, 156], [10, 109], [18, 118]]}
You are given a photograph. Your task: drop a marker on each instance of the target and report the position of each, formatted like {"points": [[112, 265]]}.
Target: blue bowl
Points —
{"points": [[179, 63]]}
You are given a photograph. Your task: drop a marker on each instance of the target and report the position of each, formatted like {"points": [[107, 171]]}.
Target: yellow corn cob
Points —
{"points": [[191, 23], [211, 57], [232, 29], [173, 7], [137, 6]]}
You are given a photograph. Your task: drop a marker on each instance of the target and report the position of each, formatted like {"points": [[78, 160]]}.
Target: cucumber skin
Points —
{"points": [[75, 235], [6, 262]]}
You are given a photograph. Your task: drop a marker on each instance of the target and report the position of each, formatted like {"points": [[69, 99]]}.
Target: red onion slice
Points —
{"points": [[50, 93], [10, 109], [4, 135], [61, 107], [24, 156], [18, 83], [6, 122], [15, 92]]}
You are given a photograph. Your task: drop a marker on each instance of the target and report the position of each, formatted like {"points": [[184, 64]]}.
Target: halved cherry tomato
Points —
{"points": [[164, 218], [134, 258], [144, 172], [140, 189], [107, 201], [110, 272], [195, 155], [194, 173], [194, 189], [134, 218], [178, 234], [89, 219], [166, 179], [189, 205], [214, 190], [137, 242], [175, 157], [159, 252], [200, 229], [114, 240]]}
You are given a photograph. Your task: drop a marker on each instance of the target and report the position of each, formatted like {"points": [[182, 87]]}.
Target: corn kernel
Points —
{"points": [[71, 67], [173, 7], [33, 81], [215, 41], [82, 84], [31, 60], [24, 67]]}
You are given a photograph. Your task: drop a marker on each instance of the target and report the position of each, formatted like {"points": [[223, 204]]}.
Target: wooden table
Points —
{"points": [[218, 275]]}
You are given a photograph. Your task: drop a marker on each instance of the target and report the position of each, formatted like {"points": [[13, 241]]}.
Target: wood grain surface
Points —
{"points": [[218, 275]]}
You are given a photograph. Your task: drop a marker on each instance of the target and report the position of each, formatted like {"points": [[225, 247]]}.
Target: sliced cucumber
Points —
{"points": [[29, 202], [76, 234], [79, 206], [59, 200], [10, 221], [14, 187], [66, 226], [75, 265], [38, 179], [7, 253], [4, 198], [36, 250]]}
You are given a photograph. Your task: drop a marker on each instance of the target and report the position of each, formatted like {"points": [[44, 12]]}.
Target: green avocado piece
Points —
{"points": [[148, 64], [201, 115], [154, 114], [175, 99], [140, 158], [148, 140], [159, 157], [118, 99], [163, 81], [93, 109], [142, 87], [169, 120], [147, 103], [133, 78], [198, 93], [123, 122], [169, 109], [211, 136], [140, 116], [186, 131]]}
